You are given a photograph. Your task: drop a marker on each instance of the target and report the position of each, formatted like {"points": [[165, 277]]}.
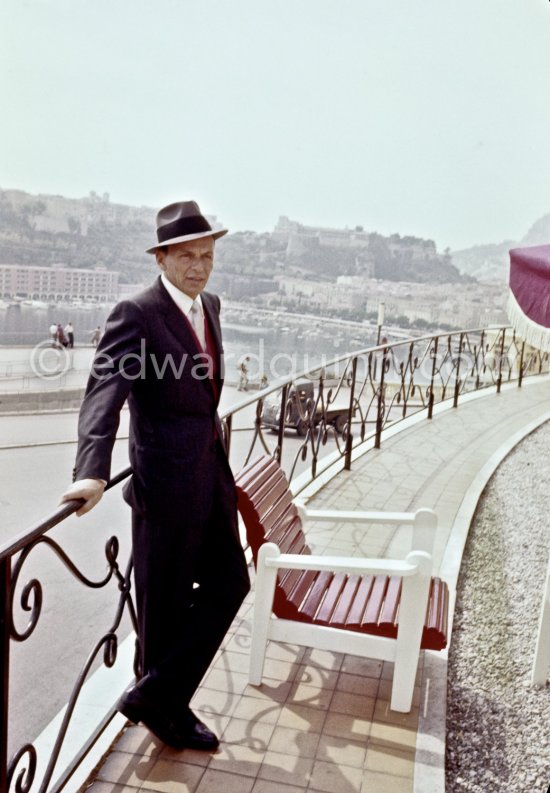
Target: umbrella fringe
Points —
{"points": [[534, 334]]}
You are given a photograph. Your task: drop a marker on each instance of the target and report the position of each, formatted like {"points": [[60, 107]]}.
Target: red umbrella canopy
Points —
{"points": [[529, 300]]}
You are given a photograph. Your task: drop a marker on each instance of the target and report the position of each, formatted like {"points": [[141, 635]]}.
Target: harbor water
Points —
{"points": [[275, 343]]}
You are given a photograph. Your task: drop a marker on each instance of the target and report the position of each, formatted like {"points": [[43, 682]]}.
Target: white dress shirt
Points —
{"points": [[183, 301]]}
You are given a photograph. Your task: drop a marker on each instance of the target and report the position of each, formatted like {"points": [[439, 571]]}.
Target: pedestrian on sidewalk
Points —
{"points": [[69, 332], [61, 339], [243, 375]]}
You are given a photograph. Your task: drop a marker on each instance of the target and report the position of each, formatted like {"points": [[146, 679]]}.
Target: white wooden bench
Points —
{"points": [[387, 609]]}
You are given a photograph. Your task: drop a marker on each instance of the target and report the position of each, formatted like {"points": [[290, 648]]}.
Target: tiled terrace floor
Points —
{"points": [[321, 721]]}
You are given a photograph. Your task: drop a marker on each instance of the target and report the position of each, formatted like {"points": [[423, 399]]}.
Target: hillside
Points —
{"points": [[539, 233], [392, 258], [492, 262], [485, 262], [93, 231]]}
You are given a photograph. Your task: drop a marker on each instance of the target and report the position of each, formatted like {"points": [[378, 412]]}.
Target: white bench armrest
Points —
{"points": [[269, 556], [423, 522], [352, 516]]}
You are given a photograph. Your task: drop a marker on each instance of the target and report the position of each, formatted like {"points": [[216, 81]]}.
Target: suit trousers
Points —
{"points": [[191, 577]]}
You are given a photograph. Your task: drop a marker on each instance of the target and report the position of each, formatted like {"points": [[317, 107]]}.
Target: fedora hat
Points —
{"points": [[182, 222]]}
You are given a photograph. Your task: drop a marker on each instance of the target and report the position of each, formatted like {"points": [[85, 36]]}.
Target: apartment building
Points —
{"points": [[58, 283]]}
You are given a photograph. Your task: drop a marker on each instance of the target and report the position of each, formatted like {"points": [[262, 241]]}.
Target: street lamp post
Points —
{"points": [[380, 320]]}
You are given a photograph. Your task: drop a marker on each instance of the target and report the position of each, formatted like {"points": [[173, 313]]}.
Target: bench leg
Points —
{"points": [[404, 675], [266, 579], [412, 613]]}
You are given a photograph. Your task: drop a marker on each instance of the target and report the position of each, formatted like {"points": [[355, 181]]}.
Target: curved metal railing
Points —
{"points": [[307, 421], [322, 415]]}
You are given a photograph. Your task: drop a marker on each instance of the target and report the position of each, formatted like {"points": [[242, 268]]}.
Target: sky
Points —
{"points": [[428, 118]]}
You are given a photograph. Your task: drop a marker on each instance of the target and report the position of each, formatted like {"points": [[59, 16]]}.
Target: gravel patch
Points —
{"points": [[497, 724]]}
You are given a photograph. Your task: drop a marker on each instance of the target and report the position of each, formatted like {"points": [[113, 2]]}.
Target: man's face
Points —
{"points": [[188, 265]]}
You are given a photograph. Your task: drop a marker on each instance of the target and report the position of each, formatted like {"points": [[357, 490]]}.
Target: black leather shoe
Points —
{"points": [[198, 736], [136, 706], [186, 732]]}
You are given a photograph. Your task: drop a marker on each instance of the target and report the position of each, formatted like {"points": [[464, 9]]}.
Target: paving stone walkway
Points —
{"points": [[321, 721]]}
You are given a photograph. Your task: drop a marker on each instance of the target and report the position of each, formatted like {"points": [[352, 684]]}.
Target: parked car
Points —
{"points": [[297, 409]]}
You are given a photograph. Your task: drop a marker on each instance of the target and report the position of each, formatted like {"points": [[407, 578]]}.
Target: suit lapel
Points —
{"points": [[212, 317], [213, 320]]}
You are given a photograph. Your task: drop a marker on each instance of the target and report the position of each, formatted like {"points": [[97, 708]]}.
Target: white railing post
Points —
{"points": [[541, 663]]}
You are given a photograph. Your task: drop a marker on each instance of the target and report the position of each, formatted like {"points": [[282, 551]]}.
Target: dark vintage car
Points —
{"points": [[297, 410]]}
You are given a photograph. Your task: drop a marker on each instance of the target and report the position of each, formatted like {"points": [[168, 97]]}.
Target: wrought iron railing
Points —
{"points": [[307, 421], [314, 417]]}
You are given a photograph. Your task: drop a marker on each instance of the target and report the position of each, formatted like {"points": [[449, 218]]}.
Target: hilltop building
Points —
{"points": [[299, 237]]}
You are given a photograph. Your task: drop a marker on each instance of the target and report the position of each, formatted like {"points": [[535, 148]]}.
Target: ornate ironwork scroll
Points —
{"points": [[19, 774]]}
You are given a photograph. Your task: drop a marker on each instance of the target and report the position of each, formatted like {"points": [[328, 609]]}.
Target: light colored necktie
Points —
{"points": [[197, 321]]}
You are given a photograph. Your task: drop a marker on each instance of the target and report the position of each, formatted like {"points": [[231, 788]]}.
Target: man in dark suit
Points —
{"points": [[162, 352]]}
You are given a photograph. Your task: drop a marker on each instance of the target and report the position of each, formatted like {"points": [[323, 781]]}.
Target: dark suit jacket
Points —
{"points": [[149, 355]]}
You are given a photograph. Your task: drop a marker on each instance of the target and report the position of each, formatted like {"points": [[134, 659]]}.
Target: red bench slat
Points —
{"points": [[266, 502], [355, 615], [292, 539], [309, 607], [303, 585], [373, 606], [340, 613], [387, 620], [434, 636], [281, 514], [287, 582], [331, 599]]}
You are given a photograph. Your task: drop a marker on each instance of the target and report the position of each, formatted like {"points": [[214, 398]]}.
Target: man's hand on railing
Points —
{"points": [[90, 490]]}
